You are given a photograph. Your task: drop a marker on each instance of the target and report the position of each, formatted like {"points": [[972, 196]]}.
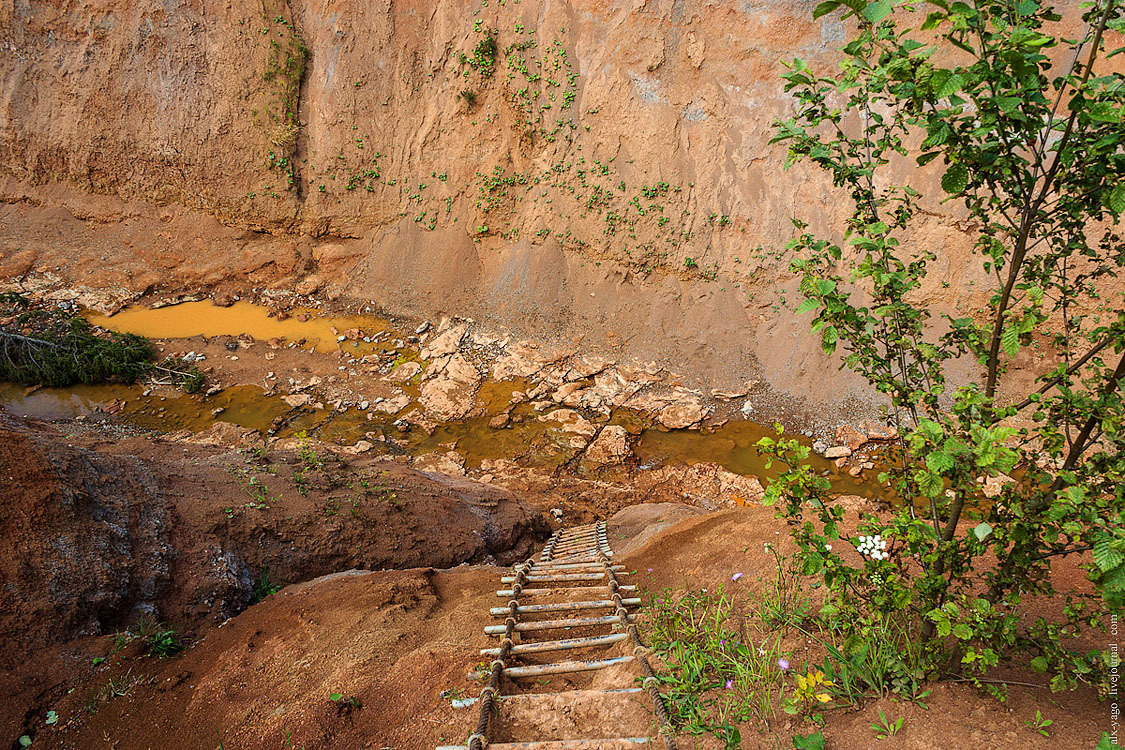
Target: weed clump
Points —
{"points": [[55, 347]]}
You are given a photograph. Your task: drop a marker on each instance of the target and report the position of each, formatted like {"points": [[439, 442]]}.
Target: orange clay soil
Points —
{"points": [[395, 640]]}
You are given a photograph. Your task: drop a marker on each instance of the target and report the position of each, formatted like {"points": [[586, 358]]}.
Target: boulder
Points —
{"points": [[850, 436], [611, 446], [678, 409], [682, 416], [521, 360], [838, 451], [405, 372], [310, 284], [993, 486], [740, 489], [392, 405], [227, 435], [444, 343], [879, 431], [576, 431], [451, 463], [449, 393]]}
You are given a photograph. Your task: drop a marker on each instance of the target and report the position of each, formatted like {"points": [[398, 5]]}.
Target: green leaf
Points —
{"points": [[1115, 198], [933, 20], [828, 339], [939, 463], [1113, 582], [25, 741], [877, 11], [1039, 664], [950, 86], [1007, 104], [1105, 743], [1010, 340], [925, 159], [982, 531], [335, 696], [955, 179], [825, 8], [931, 429], [812, 741], [929, 483], [962, 631], [1107, 556], [806, 306]]}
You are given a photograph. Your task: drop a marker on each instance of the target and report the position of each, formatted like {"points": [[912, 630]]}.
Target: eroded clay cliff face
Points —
{"points": [[103, 529], [609, 183]]}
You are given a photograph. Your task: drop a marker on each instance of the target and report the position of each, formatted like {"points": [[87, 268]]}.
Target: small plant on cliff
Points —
{"points": [[1034, 154], [158, 640], [483, 59], [264, 587]]}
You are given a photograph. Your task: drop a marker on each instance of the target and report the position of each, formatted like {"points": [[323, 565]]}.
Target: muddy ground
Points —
{"points": [[559, 290], [140, 504], [401, 643]]}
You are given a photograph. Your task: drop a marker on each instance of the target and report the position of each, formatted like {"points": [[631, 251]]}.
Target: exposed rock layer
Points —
{"points": [[148, 136]]}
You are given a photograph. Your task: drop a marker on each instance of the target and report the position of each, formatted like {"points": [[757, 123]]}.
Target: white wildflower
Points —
{"points": [[873, 546]]}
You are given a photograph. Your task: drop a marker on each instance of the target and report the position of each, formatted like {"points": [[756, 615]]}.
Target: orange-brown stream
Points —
{"points": [[205, 319], [527, 440]]}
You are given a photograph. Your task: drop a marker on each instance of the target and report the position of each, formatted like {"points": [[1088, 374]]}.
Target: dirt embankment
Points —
{"points": [[104, 529], [609, 186], [402, 642]]}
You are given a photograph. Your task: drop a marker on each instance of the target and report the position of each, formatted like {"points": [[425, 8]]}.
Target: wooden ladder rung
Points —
{"points": [[557, 577], [560, 590], [608, 743], [466, 702], [569, 622], [536, 567], [566, 667], [530, 609], [563, 645]]}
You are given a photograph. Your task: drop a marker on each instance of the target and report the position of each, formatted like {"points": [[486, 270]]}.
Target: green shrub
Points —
{"points": [[1036, 156]]}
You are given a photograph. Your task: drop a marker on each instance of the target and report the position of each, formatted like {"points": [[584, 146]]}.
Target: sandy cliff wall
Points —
{"points": [[609, 182]]}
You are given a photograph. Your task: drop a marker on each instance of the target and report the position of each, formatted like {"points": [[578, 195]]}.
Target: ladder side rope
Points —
{"points": [[639, 650], [479, 739]]}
